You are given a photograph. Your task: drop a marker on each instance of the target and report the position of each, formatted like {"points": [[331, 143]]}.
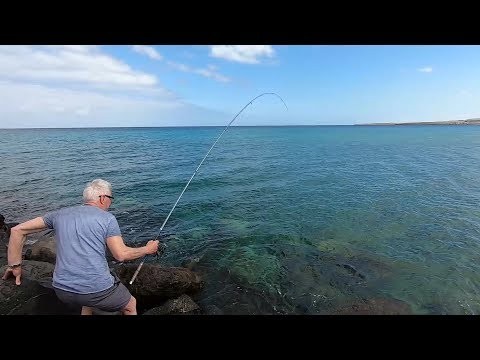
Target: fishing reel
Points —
{"points": [[161, 249]]}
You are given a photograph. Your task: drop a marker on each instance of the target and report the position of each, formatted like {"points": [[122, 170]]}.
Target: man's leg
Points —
{"points": [[131, 307], [87, 310]]}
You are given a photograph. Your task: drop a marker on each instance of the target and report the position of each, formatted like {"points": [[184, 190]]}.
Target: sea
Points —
{"points": [[278, 220]]}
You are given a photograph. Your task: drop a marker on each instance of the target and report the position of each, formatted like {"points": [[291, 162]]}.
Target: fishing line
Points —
{"points": [[198, 167]]}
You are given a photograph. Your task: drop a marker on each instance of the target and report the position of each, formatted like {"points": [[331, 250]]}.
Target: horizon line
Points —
{"points": [[469, 121], [172, 126]]}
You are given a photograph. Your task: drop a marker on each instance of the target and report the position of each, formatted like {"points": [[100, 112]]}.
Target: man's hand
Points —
{"points": [[16, 272], [152, 246]]}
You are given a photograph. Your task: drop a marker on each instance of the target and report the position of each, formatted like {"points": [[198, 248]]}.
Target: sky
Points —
{"points": [[200, 85]]}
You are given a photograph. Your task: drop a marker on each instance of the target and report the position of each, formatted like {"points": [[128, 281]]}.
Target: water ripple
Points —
{"points": [[279, 220]]}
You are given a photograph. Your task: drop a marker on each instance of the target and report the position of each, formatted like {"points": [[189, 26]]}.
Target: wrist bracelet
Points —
{"points": [[14, 265]]}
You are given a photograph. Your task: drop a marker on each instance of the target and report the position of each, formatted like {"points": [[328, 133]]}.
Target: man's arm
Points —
{"points": [[122, 252], [17, 239], [18, 235]]}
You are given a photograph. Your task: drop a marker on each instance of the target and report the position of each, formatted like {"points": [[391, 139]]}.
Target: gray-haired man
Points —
{"points": [[82, 233]]}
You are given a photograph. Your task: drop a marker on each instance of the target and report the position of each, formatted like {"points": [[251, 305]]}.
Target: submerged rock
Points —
{"points": [[191, 263], [374, 306], [182, 305]]}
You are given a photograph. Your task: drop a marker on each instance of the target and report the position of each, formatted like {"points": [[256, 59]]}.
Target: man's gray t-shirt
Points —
{"points": [[81, 233]]}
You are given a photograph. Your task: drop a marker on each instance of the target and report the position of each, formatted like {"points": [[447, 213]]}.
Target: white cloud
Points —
{"points": [[33, 98], [248, 54], [78, 48], [209, 72], [427, 69], [179, 66], [42, 86], [83, 86], [147, 50], [29, 105], [69, 64]]}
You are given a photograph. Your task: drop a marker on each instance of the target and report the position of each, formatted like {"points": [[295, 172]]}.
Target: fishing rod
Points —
{"points": [[198, 167]]}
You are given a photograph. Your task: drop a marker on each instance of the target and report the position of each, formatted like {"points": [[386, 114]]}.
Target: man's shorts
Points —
{"points": [[112, 299]]}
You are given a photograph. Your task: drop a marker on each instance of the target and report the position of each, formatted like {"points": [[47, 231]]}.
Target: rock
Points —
{"points": [[35, 270], [35, 295], [191, 263], [182, 305], [352, 270], [212, 310], [3, 254], [4, 238], [43, 250], [5, 230], [31, 298], [377, 306], [156, 283]]}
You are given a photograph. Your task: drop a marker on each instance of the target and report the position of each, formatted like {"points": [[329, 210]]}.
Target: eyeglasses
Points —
{"points": [[110, 197]]}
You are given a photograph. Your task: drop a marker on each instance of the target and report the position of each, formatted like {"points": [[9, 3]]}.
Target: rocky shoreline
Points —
{"points": [[475, 121], [159, 290]]}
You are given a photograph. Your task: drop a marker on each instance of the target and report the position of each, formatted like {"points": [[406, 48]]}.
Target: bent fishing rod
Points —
{"points": [[195, 172]]}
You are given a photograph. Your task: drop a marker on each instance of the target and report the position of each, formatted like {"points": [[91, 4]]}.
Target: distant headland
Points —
{"points": [[475, 121]]}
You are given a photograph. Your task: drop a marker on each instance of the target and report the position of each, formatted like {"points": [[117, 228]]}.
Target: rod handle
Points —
{"points": [[136, 273]]}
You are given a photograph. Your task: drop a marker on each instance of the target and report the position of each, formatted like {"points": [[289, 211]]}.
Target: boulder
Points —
{"points": [[155, 284], [43, 250], [34, 296], [183, 305], [5, 230]]}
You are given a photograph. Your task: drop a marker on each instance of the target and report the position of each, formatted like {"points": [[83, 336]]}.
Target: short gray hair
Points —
{"points": [[96, 188]]}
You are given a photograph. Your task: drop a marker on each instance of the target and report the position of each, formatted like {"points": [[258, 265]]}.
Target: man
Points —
{"points": [[82, 276]]}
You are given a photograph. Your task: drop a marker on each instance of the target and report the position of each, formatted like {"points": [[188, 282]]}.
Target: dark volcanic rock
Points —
{"points": [[43, 250], [181, 305], [35, 295], [155, 283]]}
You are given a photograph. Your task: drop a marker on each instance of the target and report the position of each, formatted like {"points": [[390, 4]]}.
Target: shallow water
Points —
{"points": [[287, 220]]}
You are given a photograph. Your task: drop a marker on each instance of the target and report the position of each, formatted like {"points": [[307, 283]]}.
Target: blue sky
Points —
{"points": [[137, 85]]}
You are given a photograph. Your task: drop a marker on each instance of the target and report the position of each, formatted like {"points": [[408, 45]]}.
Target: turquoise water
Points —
{"points": [[287, 220]]}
